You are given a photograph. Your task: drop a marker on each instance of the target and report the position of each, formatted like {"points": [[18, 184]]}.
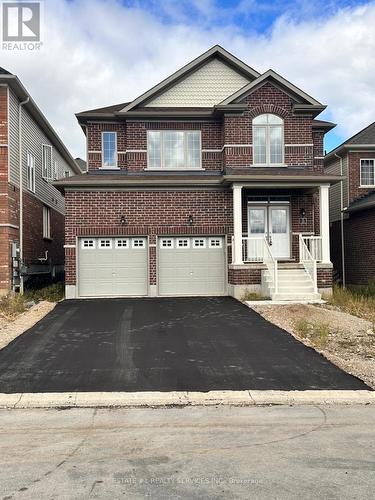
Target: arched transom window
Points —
{"points": [[268, 140]]}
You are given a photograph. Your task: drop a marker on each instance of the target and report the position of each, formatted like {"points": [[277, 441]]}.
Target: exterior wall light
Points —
{"points": [[190, 220], [122, 220]]}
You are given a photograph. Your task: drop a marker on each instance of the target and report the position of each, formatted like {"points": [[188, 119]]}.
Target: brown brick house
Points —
{"points": [[210, 183], [352, 207], [31, 208]]}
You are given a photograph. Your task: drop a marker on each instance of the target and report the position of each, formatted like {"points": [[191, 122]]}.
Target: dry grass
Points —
{"points": [[314, 331], [13, 305], [358, 301]]}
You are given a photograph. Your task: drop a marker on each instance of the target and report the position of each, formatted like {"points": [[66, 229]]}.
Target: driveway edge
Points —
{"points": [[176, 399]]}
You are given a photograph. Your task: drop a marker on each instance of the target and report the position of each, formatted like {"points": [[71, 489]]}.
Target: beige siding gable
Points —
{"points": [[207, 86]]}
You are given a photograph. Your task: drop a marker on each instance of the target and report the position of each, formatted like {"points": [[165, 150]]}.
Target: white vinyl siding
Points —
{"points": [[33, 138], [30, 172], [109, 150], [46, 222], [47, 171], [333, 168], [174, 149], [268, 140], [367, 173]]}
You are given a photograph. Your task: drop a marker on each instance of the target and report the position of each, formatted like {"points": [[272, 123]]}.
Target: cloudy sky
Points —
{"points": [[100, 52]]}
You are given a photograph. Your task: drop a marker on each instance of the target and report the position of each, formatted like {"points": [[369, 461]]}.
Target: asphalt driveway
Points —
{"points": [[182, 344]]}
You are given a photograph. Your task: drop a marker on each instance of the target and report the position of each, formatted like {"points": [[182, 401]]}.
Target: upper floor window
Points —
{"points": [[109, 149], [47, 172], [368, 173], [268, 140], [30, 172], [172, 149]]}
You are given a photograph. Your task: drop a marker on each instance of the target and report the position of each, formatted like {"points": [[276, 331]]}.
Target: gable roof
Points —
{"points": [[363, 138], [271, 75], [215, 52]]}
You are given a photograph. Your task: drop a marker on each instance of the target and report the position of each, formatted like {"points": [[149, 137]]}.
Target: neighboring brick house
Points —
{"points": [[210, 183], [352, 207], [32, 238]]}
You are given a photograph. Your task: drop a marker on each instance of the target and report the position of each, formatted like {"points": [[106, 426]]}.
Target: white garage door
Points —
{"points": [[112, 267], [192, 266]]}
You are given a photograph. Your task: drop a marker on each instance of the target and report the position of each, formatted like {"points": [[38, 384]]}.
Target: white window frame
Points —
{"points": [[366, 186], [47, 173], [219, 240], [30, 172], [141, 240], [199, 246], [162, 167], [88, 247], [268, 127], [121, 247], [105, 247], [170, 240], [109, 167], [182, 247], [46, 222]]}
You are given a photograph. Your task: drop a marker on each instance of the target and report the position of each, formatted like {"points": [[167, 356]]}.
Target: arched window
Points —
{"points": [[268, 140]]}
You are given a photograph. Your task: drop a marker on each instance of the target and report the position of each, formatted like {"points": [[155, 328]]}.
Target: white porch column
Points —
{"points": [[324, 221], [237, 223]]}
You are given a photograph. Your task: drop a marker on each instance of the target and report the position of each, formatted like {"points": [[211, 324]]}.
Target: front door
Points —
{"points": [[272, 222]]}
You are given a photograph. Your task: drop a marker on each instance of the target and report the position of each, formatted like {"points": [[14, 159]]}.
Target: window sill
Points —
{"points": [[47, 239], [371, 186], [281, 165], [164, 169], [109, 168]]}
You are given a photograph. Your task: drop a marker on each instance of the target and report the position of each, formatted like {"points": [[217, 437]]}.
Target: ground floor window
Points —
{"points": [[46, 222]]}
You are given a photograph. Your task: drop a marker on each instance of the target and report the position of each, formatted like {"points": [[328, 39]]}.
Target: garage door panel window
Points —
{"points": [[199, 243], [166, 243], [215, 243], [105, 244], [88, 244], [136, 243], [122, 243], [183, 243]]}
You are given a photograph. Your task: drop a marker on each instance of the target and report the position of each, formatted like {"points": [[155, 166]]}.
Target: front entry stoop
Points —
{"points": [[294, 284]]}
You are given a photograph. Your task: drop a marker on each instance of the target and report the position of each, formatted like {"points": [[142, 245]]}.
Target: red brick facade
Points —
{"points": [[354, 176], [226, 142], [359, 241]]}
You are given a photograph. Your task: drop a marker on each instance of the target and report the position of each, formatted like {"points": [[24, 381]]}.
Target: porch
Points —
{"points": [[282, 237]]}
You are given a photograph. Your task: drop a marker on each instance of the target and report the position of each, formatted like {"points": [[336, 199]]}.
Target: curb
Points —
{"points": [[181, 399]]}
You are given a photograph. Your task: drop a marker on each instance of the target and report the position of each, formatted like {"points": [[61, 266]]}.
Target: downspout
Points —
{"points": [[21, 186], [342, 222]]}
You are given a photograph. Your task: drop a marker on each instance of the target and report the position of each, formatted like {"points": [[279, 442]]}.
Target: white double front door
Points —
{"points": [[272, 222]]}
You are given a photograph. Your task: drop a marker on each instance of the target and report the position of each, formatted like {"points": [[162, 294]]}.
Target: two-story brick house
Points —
{"points": [[352, 207], [32, 156], [210, 183]]}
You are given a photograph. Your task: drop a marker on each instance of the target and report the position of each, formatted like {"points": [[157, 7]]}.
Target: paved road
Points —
{"points": [[183, 344], [221, 453]]}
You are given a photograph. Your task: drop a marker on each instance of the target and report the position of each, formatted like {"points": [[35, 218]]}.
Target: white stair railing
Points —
{"points": [[314, 245], [308, 261], [271, 263], [252, 248]]}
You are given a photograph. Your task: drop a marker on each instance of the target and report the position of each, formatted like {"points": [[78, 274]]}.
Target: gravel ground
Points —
{"points": [[9, 330], [350, 343]]}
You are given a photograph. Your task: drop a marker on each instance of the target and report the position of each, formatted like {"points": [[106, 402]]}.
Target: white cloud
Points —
{"points": [[99, 52]]}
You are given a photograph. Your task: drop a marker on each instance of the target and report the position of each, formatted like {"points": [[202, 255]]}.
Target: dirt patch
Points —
{"points": [[345, 340], [9, 330]]}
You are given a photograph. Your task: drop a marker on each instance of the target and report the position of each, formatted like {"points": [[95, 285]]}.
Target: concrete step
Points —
{"points": [[295, 296]]}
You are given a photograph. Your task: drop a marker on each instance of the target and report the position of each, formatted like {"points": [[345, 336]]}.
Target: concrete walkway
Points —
{"points": [[197, 453]]}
